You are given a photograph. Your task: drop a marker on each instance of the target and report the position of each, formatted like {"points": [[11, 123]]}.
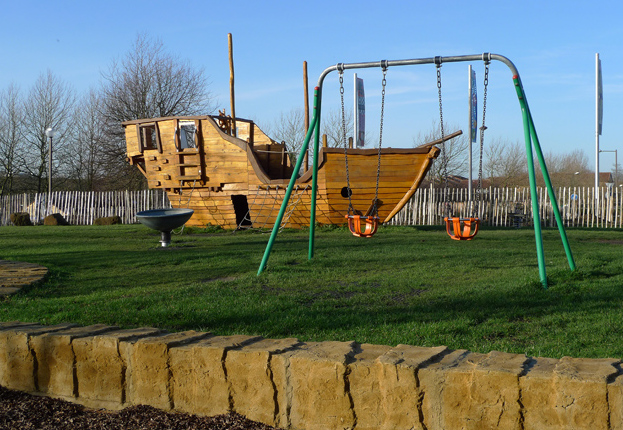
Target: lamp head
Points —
{"points": [[50, 132]]}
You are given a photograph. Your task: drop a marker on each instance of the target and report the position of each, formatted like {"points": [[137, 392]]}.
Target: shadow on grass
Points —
{"points": [[406, 285]]}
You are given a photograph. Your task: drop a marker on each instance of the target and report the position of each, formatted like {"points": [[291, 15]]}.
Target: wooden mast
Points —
{"points": [[231, 85]]}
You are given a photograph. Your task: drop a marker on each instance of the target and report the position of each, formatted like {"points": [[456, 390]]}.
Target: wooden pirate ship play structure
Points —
{"points": [[236, 176], [231, 174]]}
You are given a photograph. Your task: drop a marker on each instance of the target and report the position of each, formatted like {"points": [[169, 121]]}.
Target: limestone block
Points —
{"points": [[108, 220], [538, 394], [364, 385], [17, 364], [494, 392], [320, 397], [481, 391], [582, 392], [250, 376], [440, 402], [101, 369], [397, 385], [20, 218], [198, 374], [456, 399], [56, 359], [280, 368], [55, 219], [568, 393], [615, 401], [149, 362]]}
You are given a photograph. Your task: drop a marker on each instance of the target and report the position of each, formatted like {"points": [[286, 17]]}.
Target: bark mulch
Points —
{"points": [[23, 411]]}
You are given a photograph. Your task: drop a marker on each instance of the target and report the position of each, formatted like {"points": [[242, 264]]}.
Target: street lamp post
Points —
{"points": [[50, 133]]}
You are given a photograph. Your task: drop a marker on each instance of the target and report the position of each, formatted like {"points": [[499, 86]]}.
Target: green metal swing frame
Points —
{"points": [[530, 137]]}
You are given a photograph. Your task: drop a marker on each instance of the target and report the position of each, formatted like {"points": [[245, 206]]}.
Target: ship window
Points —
{"points": [[149, 137], [188, 131]]}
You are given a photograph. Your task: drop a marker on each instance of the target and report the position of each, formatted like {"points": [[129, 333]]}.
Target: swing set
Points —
{"points": [[457, 228], [462, 228]]}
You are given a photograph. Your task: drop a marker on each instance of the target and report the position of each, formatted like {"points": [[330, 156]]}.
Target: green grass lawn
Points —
{"points": [[405, 285]]}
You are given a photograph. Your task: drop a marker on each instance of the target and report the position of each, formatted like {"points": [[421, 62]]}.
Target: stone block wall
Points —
{"points": [[328, 385]]}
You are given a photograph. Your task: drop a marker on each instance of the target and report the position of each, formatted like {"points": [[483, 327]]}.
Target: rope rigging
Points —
{"points": [[262, 213]]}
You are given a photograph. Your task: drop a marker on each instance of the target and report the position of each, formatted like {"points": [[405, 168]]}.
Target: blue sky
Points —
{"points": [[553, 45]]}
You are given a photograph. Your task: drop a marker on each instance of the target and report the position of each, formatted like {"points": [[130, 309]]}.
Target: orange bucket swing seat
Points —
{"points": [[462, 228], [362, 226]]}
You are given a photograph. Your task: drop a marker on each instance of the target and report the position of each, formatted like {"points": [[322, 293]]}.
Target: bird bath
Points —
{"points": [[164, 220]]}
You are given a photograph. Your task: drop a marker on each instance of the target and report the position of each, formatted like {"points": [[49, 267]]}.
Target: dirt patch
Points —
{"points": [[405, 298], [612, 242], [223, 279]]}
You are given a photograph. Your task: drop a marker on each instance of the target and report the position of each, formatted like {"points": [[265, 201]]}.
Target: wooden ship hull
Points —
{"points": [[240, 181]]}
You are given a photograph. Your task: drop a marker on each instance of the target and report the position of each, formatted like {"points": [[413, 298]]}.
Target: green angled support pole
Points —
{"points": [[552, 196], [286, 197], [525, 113], [312, 217]]}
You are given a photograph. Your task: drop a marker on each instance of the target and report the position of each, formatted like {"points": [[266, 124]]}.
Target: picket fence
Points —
{"points": [[512, 207], [500, 206], [81, 208]]}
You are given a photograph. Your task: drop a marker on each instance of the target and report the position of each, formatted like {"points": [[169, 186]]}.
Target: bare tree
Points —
{"points": [[147, 82], [333, 126], [504, 163], [567, 169], [574, 161], [289, 128], [11, 130], [85, 166], [455, 161], [49, 104]]}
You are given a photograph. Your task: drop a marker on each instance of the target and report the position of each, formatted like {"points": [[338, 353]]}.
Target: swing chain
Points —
{"points": [[444, 158], [378, 165], [348, 190], [484, 97], [482, 135], [440, 104]]}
